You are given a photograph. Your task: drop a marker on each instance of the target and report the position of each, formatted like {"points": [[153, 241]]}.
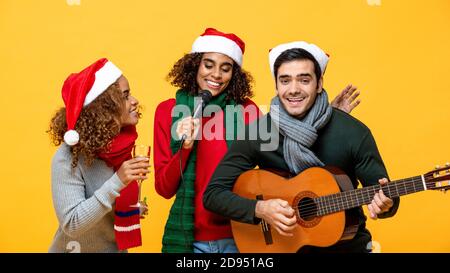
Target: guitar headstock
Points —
{"points": [[438, 179]]}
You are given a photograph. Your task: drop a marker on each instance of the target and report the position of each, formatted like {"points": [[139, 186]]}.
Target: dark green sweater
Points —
{"points": [[344, 142]]}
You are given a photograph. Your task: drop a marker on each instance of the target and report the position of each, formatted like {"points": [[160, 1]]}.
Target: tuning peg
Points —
{"points": [[437, 167]]}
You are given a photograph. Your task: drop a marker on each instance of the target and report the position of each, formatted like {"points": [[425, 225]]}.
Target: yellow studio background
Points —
{"points": [[396, 52]]}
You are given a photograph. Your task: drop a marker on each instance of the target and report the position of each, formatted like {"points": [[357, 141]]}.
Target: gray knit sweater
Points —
{"points": [[84, 200]]}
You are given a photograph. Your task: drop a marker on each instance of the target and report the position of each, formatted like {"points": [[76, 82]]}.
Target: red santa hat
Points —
{"points": [[82, 88], [213, 40], [320, 56]]}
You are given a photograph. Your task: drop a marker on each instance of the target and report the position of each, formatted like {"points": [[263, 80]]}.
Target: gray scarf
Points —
{"points": [[300, 134]]}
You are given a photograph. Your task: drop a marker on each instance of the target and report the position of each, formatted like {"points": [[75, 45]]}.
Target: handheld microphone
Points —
{"points": [[206, 96]]}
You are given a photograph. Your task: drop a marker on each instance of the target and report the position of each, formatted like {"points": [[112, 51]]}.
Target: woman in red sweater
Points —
{"points": [[184, 169]]}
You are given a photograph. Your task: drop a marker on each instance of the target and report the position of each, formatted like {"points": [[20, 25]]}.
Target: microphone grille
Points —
{"points": [[206, 96]]}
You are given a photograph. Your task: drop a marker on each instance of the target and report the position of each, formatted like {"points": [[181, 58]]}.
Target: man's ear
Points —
{"points": [[276, 88], [320, 85]]}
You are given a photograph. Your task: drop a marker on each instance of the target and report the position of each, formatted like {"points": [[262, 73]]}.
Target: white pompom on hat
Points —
{"points": [[82, 88]]}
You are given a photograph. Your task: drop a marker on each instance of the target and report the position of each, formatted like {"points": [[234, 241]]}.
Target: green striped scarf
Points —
{"points": [[179, 230]]}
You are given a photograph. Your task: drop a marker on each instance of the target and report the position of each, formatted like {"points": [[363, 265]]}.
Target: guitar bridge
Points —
{"points": [[265, 227]]}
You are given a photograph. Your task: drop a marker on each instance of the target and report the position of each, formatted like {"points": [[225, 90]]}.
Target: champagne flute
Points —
{"points": [[140, 150]]}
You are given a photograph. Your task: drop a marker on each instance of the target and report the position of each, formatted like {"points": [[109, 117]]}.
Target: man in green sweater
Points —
{"points": [[302, 130]]}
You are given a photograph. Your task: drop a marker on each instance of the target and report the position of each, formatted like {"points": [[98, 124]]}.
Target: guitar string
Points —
{"points": [[354, 195], [312, 209], [377, 187], [338, 201], [374, 189], [325, 208]]}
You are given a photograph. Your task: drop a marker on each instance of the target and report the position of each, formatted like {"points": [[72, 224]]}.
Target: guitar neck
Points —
{"points": [[351, 199]]}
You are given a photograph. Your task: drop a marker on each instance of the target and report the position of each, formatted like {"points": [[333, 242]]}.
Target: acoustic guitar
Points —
{"points": [[321, 198]]}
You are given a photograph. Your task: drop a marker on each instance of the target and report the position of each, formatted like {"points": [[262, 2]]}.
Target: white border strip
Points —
{"points": [[214, 43], [127, 229], [104, 77], [424, 184]]}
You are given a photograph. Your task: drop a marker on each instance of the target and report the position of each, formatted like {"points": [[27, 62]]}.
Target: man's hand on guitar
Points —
{"points": [[278, 214], [380, 202]]}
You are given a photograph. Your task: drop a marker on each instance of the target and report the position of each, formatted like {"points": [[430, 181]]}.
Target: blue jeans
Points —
{"points": [[218, 246]]}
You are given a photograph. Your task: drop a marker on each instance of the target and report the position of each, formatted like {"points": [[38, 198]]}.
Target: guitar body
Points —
{"points": [[319, 231]]}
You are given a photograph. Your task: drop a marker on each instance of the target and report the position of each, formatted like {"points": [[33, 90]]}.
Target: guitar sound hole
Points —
{"points": [[307, 209]]}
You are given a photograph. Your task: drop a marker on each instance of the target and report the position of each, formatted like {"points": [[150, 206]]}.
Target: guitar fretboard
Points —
{"points": [[351, 199]]}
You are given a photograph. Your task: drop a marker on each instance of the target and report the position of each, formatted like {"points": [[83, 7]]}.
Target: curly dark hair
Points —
{"points": [[97, 125], [184, 75]]}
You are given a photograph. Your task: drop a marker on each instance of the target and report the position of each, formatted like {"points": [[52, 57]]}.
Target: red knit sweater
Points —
{"points": [[207, 225]]}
